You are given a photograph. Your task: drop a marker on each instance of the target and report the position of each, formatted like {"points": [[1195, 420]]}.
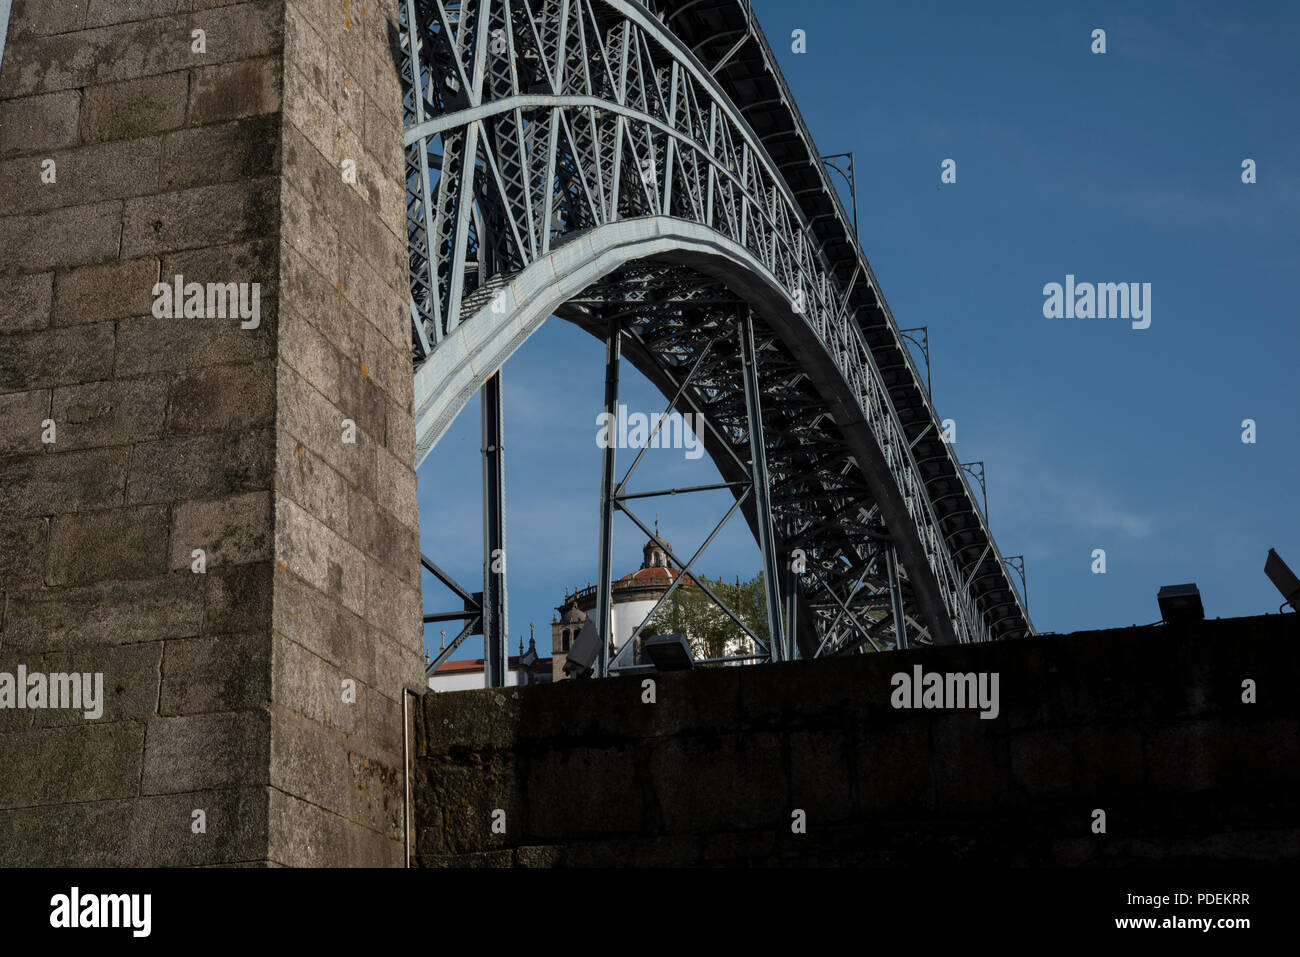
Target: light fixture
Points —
{"points": [[1283, 579], [1180, 604], [582, 654], [669, 652]]}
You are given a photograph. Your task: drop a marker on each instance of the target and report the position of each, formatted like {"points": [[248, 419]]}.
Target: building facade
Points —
{"points": [[634, 596], [525, 668]]}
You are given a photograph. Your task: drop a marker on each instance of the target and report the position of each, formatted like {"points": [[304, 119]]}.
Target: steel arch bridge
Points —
{"points": [[641, 169]]}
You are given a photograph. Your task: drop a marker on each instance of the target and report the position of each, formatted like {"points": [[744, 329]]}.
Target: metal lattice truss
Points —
{"points": [[602, 160], [820, 503]]}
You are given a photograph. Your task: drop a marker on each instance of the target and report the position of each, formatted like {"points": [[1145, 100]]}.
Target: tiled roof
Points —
{"points": [[471, 665], [655, 575]]}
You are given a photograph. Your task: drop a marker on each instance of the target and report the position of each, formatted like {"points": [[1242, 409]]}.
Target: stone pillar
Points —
{"points": [[266, 689]]}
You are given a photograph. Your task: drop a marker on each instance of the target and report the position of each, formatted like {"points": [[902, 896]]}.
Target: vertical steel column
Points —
{"points": [[605, 562], [792, 607], [896, 597], [426, 202], [759, 479], [495, 625]]}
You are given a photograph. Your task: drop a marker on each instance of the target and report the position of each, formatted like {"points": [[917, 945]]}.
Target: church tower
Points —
{"points": [[653, 556], [564, 632]]}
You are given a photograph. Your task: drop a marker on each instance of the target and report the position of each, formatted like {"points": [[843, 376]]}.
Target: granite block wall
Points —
{"points": [[227, 143], [810, 762]]}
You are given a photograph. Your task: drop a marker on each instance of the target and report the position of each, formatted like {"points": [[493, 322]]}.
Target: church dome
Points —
{"points": [[656, 570], [572, 614], [656, 576]]}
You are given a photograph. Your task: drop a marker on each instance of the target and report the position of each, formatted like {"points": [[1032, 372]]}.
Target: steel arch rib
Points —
{"points": [[623, 148], [479, 346]]}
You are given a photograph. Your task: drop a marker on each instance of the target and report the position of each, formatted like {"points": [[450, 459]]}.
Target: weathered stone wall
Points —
{"points": [[225, 690], [347, 599], [1146, 724]]}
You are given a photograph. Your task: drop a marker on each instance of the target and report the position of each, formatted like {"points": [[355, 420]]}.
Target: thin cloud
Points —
{"points": [[1042, 510]]}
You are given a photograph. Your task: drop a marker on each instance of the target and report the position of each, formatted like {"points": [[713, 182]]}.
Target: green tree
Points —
{"points": [[710, 631]]}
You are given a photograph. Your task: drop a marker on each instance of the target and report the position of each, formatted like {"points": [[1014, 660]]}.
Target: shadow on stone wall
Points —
{"points": [[1146, 724]]}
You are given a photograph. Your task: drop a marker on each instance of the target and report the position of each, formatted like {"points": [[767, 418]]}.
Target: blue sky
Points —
{"points": [[1122, 167], [6, 7]]}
